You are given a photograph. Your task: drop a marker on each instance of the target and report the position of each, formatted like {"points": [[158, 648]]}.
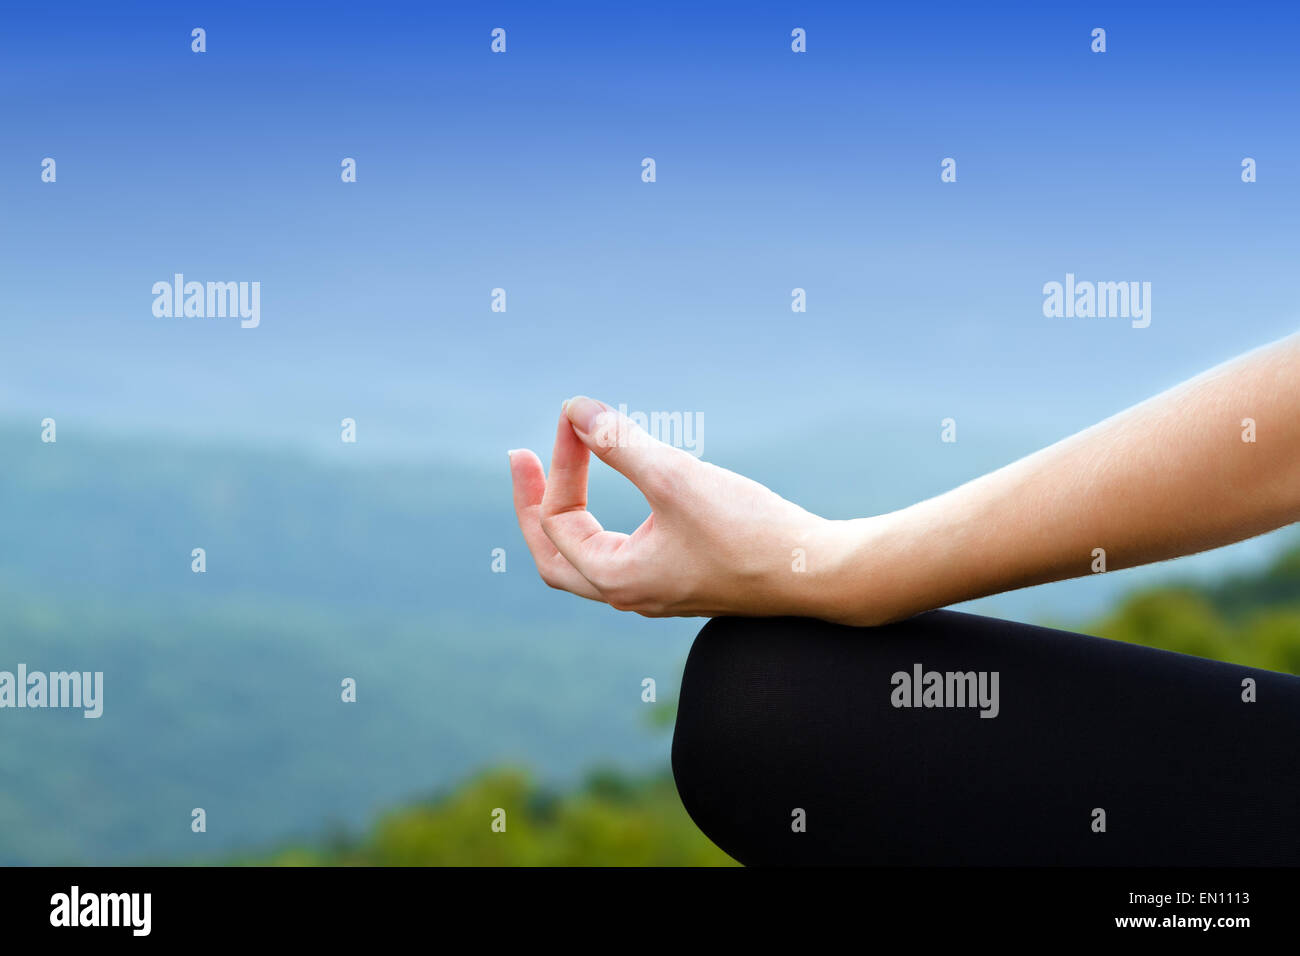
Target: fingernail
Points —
{"points": [[511, 453], [582, 412]]}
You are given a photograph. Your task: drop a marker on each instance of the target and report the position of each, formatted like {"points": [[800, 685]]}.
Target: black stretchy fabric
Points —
{"points": [[790, 722]]}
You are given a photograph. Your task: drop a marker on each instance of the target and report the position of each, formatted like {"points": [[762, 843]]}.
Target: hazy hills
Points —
{"points": [[222, 689]]}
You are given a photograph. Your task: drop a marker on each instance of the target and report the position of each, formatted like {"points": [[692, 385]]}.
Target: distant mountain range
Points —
{"points": [[222, 689]]}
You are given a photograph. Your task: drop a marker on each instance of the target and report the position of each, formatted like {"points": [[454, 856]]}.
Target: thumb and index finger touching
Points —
{"points": [[556, 505], [625, 446]]}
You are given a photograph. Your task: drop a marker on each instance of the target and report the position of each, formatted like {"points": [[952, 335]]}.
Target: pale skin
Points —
{"points": [[1167, 477]]}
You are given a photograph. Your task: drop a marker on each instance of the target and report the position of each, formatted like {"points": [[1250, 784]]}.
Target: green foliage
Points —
{"points": [[612, 820], [1275, 587], [1253, 620]]}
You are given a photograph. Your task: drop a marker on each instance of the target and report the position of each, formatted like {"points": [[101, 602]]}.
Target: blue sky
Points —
{"points": [[522, 171]]}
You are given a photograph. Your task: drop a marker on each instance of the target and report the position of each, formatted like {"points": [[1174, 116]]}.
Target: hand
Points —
{"points": [[715, 543], [1179, 473]]}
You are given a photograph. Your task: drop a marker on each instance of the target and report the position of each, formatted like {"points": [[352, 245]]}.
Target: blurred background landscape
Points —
{"points": [[522, 171], [475, 690]]}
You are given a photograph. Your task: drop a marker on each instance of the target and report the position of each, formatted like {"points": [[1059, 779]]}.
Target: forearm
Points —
{"points": [[1168, 477]]}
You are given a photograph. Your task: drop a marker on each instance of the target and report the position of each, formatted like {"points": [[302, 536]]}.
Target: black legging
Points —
{"points": [[792, 747]]}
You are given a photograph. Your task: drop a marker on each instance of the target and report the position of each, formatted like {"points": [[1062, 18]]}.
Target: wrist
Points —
{"points": [[870, 575]]}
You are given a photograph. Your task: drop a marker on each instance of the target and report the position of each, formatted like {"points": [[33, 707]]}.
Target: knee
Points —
{"points": [[742, 756], [709, 735]]}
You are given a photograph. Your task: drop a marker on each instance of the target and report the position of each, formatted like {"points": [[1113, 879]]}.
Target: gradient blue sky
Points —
{"points": [[522, 170]]}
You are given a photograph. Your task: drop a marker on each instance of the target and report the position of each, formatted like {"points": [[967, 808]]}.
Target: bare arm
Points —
{"points": [[1168, 477]]}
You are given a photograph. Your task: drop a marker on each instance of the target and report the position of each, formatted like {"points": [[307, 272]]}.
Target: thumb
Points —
{"points": [[653, 466]]}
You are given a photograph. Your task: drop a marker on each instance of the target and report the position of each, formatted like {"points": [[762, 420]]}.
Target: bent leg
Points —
{"points": [[1091, 752]]}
